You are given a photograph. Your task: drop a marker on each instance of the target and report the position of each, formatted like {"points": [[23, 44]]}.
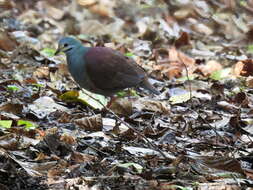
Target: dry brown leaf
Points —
{"points": [[68, 139], [81, 158], [49, 10], [188, 61], [6, 4], [9, 142], [218, 186], [175, 63], [53, 12], [183, 13], [63, 69], [223, 163], [11, 108], [29, 16], [230, 4], [244, 68], [169, 70], [223, 105], [122, 106], [200, 27], [30, 81], [210, 67], [65, 118], [173, 54], [6, 42], [249, 82], [183, 40], [241, 99], [128, 134], [152, 105], [87, 3], [93, 123], [41, 73], [40, 156], [103, 7], [54, 172]]}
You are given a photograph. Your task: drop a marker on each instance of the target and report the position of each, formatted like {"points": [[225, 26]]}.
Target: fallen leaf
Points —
{"points": [[27, 124], [152, 105], [244, 68], [78, 157], [122, 106], [93, 123], [137, 167], [41, 73], [221, 74], [94, 100], [6, 42], [210, 67], [177, 99], [45, 105], [5, 123]]}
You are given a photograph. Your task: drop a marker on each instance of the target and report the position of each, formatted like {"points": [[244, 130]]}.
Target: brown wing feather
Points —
{"points": [[111, 70]]}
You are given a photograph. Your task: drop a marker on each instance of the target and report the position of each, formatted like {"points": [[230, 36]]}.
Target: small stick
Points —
{"points": [[187, 75]]}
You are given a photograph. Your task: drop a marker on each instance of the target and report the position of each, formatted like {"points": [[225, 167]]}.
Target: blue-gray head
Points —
{"points": [[68, 45]]}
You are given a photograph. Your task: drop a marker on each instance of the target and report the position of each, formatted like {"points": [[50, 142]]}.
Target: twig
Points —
{"points": [[128, 125], [187, 75], [94, 148]]}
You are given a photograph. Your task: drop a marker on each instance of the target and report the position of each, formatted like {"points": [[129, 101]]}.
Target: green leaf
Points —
{"points": [[5, 123], [250, 49], [121, 93], [70, 96], [48, 52], [85, 97], [37, 85], [125, 93], [221, 74], [92, 99], [27, 124], [129, 54], [133, 92], [13, 88], [243, 3]]}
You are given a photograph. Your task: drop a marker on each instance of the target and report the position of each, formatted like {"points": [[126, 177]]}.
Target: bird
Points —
{"points": [[102, 70]]}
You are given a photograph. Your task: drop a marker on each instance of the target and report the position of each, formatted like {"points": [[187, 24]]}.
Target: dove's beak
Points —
{"points": [[60, 48]]}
